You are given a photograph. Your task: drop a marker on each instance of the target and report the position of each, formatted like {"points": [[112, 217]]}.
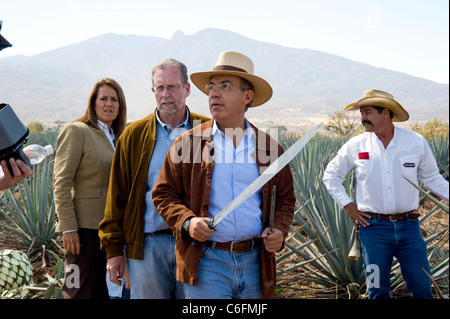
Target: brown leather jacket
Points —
{"points": [[183, 190]]}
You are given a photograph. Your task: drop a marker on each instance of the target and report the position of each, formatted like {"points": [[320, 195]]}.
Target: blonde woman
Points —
{"points": [[84, 152]]}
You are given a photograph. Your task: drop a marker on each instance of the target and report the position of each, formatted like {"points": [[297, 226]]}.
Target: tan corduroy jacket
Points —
{"points": [[123, 223], [183, 190], [82, 166]]}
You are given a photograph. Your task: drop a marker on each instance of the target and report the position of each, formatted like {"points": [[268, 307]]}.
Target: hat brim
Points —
{"points": [[263, 90], [399, 113]]}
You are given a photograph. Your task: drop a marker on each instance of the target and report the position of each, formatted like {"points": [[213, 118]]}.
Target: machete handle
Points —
{"points": [[195, 243]]}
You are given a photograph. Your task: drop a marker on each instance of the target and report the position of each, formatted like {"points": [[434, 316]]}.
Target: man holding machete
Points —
{"points": [[207, 168]]}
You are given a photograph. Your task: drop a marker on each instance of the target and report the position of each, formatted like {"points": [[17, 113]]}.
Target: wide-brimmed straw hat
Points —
{"points": [[382, 99], [234, 63]]}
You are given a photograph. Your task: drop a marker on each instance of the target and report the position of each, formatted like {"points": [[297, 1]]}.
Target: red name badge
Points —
{"points": [[363, 155]]}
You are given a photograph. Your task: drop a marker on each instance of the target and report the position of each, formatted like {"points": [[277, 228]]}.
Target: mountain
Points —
{"points": [[308, 84]]}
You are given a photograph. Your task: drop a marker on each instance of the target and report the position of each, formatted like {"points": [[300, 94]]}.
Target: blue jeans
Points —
{"points": [[154, 277], [384, 239], [226, 275]]}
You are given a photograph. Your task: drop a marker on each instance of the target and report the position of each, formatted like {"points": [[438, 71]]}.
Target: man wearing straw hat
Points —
{"points": [[386, 201], [205, 169]]}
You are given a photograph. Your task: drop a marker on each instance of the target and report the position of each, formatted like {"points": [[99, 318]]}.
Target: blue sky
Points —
{"points": [[410, 36]]}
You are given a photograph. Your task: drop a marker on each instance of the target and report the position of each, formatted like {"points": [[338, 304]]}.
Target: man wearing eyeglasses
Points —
{"points": [[131, 219], [219, 159]]}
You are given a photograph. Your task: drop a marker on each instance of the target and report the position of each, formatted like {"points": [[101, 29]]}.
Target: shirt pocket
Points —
{"points": [[409, 165], [364, 167]]}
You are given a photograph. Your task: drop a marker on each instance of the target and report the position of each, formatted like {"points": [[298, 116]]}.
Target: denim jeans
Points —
{"points": [[226, 275], [384, 239], [154, 277]]}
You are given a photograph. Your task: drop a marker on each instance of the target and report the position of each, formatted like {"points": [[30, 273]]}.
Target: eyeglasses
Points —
{"points": [[222, 87], [170, 88]]}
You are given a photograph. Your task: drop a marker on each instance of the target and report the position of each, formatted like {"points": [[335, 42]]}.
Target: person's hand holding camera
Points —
{"points": [[19, 172]]}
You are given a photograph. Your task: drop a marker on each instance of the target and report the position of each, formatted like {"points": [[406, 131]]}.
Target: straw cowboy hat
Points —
{"points": [[382, 99], [234, 63]]}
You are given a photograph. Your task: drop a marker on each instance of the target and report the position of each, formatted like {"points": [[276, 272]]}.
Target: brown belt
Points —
{"points": [[234, 247], [395, 217]]}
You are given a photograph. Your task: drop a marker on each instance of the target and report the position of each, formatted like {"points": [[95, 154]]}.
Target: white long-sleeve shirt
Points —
{"points": [[381, 187]]}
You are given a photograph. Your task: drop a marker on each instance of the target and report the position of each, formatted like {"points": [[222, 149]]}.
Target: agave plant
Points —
{"points": [[28, 212], [440, 147], [322, 234]]}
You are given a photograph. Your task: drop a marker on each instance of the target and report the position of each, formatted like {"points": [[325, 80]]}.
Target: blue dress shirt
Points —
{"points": [[234, 170], [165, 136]]}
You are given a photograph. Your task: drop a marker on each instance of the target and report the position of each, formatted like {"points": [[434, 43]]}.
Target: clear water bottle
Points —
{"points": [[36, 153]]}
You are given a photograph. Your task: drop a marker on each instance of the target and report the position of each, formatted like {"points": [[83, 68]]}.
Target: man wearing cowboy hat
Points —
{"points": [[205, 169], [387, 202]]}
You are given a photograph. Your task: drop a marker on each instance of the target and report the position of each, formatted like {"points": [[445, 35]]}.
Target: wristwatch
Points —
{"points": [[186, 224]]}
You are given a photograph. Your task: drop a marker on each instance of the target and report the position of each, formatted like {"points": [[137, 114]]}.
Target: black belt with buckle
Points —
{"points": [[395, 217], [167, 231], [233, 246]]}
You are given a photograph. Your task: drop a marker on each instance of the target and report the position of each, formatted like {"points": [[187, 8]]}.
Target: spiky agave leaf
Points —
{"points": [[29, 213]]}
